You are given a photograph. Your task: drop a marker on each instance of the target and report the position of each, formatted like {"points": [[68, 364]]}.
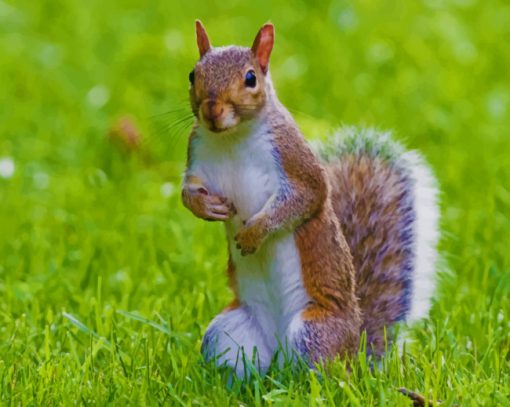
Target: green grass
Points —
{"points": [[107, 283]]}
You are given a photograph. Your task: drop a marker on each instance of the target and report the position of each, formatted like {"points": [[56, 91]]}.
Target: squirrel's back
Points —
{"points": [[386, 201]]}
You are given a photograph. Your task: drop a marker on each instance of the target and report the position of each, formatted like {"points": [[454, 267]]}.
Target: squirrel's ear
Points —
{"points": [[203, 42], [263, 45]]}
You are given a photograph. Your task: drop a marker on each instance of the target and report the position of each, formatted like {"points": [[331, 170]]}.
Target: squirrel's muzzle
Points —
{"points": [[218, 115]]}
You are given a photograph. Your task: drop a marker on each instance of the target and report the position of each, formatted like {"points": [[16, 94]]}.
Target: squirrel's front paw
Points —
{"points": [[205, 206], [250, 237]]}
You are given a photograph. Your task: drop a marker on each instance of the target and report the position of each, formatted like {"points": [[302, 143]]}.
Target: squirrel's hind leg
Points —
{"points": [[316, 335], [235, 339]]}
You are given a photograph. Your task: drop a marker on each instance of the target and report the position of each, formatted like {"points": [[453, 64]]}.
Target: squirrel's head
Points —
{"points": [[228, 84]]}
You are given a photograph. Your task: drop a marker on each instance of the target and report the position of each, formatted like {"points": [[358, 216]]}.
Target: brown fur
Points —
{"points": [[263, 45], [307, 186], [333, 317], [312, 202], [231, 274], [219, 87], [203, 42], [328, 276], [366, 196]]}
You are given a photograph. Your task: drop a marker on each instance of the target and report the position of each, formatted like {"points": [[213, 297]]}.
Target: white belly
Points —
{"points": [[241, 168], [270, 283], [247, 173]]}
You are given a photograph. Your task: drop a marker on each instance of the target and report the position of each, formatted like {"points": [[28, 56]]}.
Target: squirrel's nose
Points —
{"points": [[212, 109]]}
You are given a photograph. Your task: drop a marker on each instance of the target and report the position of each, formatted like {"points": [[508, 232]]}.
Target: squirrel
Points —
{"points": [[323, 244]]}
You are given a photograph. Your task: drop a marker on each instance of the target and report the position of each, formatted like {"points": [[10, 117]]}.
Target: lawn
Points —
{"points": [[107, 283]]}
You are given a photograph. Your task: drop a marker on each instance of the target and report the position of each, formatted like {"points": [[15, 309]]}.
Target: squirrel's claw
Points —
{"points": [[250, 237]]}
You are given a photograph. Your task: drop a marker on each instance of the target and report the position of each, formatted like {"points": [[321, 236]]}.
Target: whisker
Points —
{"points": [[183, 128], [164, 124], [173, 129], [177, 110], [171, 121]]}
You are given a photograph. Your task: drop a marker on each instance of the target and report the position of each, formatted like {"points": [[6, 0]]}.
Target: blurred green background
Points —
{"points": [[107, 283]]}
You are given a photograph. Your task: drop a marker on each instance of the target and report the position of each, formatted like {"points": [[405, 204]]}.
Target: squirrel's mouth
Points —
{"points": [[212, 127], [221, 123]]}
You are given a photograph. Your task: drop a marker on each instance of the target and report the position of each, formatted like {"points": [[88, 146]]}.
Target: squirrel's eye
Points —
{"points": [[192, 77], [250, 80]]}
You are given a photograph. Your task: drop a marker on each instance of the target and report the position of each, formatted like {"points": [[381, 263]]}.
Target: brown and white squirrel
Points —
{"points": [[320, 249]]}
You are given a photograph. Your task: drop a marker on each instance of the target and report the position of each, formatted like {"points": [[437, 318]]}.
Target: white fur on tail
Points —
{"points": [[426, 233]]}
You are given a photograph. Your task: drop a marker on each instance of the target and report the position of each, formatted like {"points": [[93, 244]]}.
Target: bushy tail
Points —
{"points": [[386, 201]]}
